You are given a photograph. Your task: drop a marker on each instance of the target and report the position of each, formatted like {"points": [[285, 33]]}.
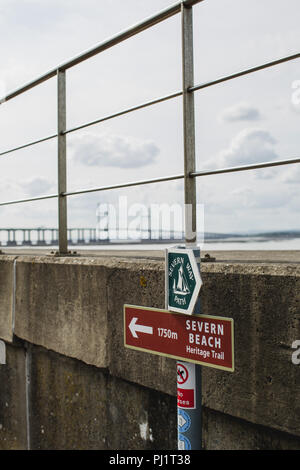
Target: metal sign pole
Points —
{"points": [[189, 380], [189, 397]]}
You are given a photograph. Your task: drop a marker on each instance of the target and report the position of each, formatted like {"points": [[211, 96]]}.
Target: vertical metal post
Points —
{"points": [[189, 421], [62, 162], [188, 125]]}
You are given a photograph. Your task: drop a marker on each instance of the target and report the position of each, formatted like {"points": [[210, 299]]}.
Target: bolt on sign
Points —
{"points": [[199, 339], [183, 280]]}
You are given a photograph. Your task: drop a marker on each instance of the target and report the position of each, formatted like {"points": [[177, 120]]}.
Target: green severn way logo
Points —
{"points": [[184, 280]]}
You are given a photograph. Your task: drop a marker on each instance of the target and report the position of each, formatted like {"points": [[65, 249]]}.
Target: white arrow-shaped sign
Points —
{"points": [[181, 421], [141, 328]]}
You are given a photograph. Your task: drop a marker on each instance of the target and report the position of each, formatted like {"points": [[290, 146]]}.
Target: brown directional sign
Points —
{"points": [[201, 339]]}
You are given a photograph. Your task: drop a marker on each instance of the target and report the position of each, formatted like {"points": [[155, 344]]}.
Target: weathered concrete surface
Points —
{"points": [[223, 432], [263, 300], [74, 306], [76, 406], [221, 256], [232, 256], [13, 430], [140, 418], [61, 304], [68, 402], [265, 304], [125, 286], [6, 296]]}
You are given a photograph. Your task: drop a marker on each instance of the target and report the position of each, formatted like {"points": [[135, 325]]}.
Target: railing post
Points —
{"points": [[188, 125], [189, 434], [62, 164]]}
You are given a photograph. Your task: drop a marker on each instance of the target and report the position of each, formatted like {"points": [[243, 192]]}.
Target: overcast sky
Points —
{"points": [[251, 119]]}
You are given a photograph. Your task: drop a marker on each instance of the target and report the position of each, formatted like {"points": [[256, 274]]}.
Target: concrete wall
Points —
{"points": [[69, 383]]}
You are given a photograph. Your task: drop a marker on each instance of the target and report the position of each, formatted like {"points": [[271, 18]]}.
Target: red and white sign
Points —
{"points": [[199, 339], [186, 386], [183, 374]]}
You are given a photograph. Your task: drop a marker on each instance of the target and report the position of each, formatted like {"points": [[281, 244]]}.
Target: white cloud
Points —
{"points": [[240, 112], [249, 146], [37, 186], [32, 187], [291, 174], [37, 36], [113, 151], [266, 174], [243, 200]]}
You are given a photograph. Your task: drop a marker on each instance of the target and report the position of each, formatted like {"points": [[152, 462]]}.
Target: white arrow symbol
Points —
{"points": [[181, 421], [142, 328]]}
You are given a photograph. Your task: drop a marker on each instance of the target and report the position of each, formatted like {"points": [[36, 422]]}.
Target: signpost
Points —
{"points": [[189, 395], [186, 335], [193, 340], [190, 222], [199, 339]]}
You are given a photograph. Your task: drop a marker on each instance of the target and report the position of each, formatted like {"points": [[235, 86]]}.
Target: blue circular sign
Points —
{"points": [[184, 443], [184, 421]]}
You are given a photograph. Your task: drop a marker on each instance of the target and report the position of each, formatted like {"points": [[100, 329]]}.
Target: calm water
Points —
{"points": [[237, 244], [250, 244]]}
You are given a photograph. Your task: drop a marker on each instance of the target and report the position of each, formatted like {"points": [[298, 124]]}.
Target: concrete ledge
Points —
{"points": [[61, 304], [6, 296], [74, 306], [125, 286], [264, 302]]}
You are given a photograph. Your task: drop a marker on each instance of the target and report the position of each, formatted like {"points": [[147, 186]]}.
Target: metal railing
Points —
{"points": [[190, 173]]}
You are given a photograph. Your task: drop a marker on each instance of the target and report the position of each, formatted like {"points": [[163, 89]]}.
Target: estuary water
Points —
{"points": [[228, 244]]}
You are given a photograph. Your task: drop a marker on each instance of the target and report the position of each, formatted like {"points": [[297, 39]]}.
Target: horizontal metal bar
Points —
{"points": [[254, 166], [32, 199], [124, 185], [191, 3], [120, 37], [97, 121], [162, 99], [160, 180], [2, 229], [44, 139], [244, 72], [125, 111], [28, 86], [44, 229]]}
